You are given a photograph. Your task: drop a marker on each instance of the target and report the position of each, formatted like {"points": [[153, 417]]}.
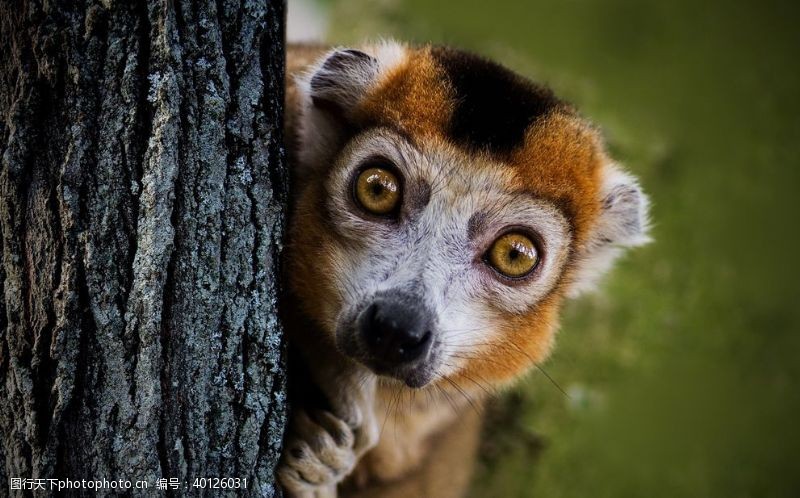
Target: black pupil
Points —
{"points": [[513, 254], [377, 189]]}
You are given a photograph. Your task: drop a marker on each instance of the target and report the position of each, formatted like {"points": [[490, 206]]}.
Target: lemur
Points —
{"points": [[445, 207]]}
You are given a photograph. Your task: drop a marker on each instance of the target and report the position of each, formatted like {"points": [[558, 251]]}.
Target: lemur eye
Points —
{"points": [[378, 190], [513, 254]]}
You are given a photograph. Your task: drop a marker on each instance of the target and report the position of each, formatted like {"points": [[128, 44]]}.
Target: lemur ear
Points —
{"points": [[623, 223], [342, 79], [330, 92]]}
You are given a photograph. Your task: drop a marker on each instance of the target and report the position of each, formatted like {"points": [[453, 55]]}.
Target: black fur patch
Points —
{"points": [[476, 224], [494, 106]]}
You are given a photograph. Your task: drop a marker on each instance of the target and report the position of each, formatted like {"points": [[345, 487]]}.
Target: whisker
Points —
{"points": [[464, 394], [553, 382]]}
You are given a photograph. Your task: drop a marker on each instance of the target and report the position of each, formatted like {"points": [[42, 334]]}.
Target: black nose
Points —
{"points": [[397, 331]]}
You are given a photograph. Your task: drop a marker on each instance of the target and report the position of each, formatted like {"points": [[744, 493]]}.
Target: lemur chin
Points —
{"points": [[444, 208]]}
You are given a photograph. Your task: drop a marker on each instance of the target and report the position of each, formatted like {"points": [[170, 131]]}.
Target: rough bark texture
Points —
{"points": [[142, 198]]}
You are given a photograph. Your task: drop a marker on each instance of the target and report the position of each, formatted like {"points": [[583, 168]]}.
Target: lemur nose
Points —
{"points": [[396, 332]]}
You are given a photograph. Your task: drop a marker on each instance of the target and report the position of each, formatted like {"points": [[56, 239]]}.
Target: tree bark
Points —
{"points": [[142, 204]]}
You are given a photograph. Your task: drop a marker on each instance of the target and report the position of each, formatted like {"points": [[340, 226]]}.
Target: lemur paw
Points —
{"points": [[359, 416], [320, 453]]}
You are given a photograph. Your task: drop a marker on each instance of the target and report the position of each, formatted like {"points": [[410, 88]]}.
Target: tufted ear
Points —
{"points": [[342, 79], [332, 90], [623, 223]]}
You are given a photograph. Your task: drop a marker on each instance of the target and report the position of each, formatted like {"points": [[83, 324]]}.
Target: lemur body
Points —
{"points": [[445, 208]]}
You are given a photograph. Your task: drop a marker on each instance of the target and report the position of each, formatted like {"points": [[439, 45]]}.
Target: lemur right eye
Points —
{"points": [[513, 254], [378, 190]]}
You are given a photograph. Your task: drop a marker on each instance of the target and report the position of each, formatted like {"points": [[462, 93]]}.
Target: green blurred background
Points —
{"points": [[682, 373]]}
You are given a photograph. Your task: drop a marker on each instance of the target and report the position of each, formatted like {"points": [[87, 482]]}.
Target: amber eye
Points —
{"points": [[513, 254], [378, 190]]}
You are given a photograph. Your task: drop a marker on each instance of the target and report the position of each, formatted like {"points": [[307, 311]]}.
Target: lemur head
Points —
{"points": [[446, 207]]}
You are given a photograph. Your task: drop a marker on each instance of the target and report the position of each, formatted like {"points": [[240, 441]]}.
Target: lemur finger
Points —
{"points": [[309, 468], [295, 486], [324, 429], [333, 442], [337, 428], [361, 428], [329, 438], [340, 460], [291, 482]]}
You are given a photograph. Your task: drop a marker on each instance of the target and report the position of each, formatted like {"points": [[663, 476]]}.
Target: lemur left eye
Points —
{"points": [[513, 254], [378, 190]]}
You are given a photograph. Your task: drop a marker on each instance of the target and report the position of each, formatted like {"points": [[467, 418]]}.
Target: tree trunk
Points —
{"points": [[142, 203]]}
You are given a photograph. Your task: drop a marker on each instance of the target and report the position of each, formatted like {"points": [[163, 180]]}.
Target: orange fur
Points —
{"points": [[522, 341], [412, 97], [561, 161]]}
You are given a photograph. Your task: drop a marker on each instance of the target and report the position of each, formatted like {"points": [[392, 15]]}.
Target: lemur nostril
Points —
{"points": [[415, 346], [427, 337], [371, 312], [416, 341]]}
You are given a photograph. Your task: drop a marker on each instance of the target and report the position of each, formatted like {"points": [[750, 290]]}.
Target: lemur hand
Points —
{"points": [[322, 448]]}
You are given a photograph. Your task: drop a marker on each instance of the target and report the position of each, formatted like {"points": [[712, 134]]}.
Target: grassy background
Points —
{"points": [[682, 375]]}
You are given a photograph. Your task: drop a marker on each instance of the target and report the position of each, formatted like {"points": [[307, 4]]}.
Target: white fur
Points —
{"points": [[432, 252], [623, 223]]}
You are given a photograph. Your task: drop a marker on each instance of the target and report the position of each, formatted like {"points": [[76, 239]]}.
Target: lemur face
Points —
{"points": [[446, 207]]}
